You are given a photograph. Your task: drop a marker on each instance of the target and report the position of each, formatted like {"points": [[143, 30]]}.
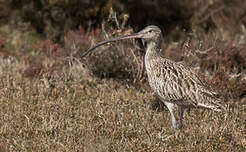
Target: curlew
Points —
{"points": [[172, 82]]}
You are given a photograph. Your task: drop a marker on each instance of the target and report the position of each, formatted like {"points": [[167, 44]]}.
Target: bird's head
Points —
{"points": [[150, 33]]}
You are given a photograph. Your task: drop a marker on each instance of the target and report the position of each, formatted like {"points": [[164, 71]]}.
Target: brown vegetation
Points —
{"points": [[51, 100]]}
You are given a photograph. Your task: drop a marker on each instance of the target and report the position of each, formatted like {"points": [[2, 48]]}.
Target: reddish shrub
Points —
{"points": [[3, 52], [33, 70], [50, 49]]}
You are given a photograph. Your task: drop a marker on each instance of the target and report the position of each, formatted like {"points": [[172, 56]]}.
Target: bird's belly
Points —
{"points": [[165, 90], [161, 84]]}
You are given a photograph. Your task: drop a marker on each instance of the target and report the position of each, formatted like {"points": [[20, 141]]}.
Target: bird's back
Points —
{"points": [[174, 82]]}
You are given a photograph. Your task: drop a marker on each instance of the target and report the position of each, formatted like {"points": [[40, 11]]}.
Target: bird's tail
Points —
{"points": [[219, 108], [214, 106]]}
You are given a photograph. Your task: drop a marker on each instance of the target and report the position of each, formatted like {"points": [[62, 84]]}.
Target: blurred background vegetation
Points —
{"points": [[53, 18]]}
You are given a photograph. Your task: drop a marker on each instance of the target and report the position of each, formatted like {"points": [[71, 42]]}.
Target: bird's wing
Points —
{"points": [[181, 85]]}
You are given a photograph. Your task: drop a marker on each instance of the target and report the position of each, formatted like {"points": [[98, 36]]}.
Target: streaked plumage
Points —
{"points": [[174, 83]]}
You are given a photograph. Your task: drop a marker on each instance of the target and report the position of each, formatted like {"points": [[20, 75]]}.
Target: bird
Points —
{"points": [[174, 83]]}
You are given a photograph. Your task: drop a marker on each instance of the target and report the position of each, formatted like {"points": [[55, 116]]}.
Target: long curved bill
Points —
{"points": [[132, 36]]}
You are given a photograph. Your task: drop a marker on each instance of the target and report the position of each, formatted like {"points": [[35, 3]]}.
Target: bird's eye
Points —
{"points": [[150, 31]]}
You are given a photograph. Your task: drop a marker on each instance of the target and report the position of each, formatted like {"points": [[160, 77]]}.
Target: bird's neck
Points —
{"points": [[152, 51]]}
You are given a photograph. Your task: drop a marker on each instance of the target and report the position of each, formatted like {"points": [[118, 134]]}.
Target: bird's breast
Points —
{"points": [[155, 75]]}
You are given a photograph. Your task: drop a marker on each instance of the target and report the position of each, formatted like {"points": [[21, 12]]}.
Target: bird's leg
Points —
{"points": [[181, 112], [180, 126], [170, 107]]}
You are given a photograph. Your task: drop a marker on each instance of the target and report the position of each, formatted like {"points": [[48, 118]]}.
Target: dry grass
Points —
{"points": [[61, 113], [63, 106]]}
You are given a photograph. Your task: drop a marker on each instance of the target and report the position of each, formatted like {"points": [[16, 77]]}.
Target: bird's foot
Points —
{"points": [[167, 137], [175, 135]]}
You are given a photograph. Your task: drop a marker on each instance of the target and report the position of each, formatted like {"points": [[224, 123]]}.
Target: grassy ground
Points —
{"points": [[68, 112]]}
